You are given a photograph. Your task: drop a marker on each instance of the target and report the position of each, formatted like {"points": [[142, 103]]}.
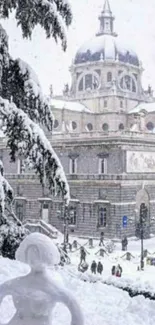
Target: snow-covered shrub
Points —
{"points": [[11, 230], [11, 235]]}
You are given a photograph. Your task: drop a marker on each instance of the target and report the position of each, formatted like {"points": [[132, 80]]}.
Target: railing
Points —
{"points": [[124, 176], [40, 226], [112, 177], [100, 134]]}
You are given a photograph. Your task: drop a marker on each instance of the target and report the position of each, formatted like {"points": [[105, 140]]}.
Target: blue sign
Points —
{"points": [[125, 221]]}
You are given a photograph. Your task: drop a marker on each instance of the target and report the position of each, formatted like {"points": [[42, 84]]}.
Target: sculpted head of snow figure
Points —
{"points": [[38, 250]]}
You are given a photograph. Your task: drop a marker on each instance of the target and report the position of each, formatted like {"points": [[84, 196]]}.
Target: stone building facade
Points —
{"points": [[104, 136]]}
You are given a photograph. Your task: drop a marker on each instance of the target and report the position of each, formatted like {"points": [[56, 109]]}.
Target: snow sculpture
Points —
{"points": [[36, 294]]}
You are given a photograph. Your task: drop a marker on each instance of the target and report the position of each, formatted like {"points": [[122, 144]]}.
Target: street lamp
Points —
{"points": [[66, 217], [142, 220]]}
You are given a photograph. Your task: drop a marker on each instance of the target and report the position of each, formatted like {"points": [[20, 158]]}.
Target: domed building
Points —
{"points": [[107, 69], [104, 135]]}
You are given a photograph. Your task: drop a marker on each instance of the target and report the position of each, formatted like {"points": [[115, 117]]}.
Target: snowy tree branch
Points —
{"points": [[21, 85], [6, 191], [27, 139], [52, 15]]}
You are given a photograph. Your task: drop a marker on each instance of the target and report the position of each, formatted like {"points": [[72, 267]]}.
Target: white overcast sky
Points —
{"points": [[135, 24]]}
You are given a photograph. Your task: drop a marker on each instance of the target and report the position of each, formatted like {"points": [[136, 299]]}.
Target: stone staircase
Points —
{"points": [[41, 226]]}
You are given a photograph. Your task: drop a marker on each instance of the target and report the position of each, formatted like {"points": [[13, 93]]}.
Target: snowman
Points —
{"points": [[36, 294]]}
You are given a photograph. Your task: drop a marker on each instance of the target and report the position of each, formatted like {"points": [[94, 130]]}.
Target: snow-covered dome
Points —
{"points": [[105, 47]]}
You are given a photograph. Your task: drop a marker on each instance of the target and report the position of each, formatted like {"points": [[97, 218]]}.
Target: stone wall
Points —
{"points": [[88, 158], [116, 190]]}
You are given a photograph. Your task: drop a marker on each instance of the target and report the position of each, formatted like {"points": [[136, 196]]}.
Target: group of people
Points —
{"points": [[117, 270], [96, 267]]}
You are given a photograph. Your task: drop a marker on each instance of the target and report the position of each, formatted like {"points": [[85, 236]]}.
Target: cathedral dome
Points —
{"points": [[105, 47]]}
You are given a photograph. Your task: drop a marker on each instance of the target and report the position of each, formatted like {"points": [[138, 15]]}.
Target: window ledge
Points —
{"points": [[42, 199], [22, 198], [72, 226], [101, 202]]}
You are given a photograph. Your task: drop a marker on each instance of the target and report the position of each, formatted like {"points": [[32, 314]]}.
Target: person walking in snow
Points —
{"points": [[101, 243], [124, 244], [119, 271], [93, 267], [100, 267], [113, 270], [82, 255]]}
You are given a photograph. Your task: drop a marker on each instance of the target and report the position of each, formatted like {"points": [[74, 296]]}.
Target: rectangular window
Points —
{"points": [[72, 218], [88, 81], [102, 217], [20, 207], [102, 165], [121, 103], [45, 212], [20, 168], [84, 211], [105, 103], [73, 165]]}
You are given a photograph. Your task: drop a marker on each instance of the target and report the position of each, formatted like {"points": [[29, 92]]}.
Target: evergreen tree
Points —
{"points": [[23, 108], [52, 15]]}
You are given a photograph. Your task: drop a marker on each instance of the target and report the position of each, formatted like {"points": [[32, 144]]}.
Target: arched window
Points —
{"points": [[107, 25], [109, 76], [128, 83], [150, 126], [56, 124], [102, 217], [89, 82], [80, 88], [89, 127], [74, 125], [105, 127], [121, 126]]}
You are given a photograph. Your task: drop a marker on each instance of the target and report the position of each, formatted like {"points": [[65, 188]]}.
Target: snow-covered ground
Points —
{"points": [[139, 280], [101, 304]]}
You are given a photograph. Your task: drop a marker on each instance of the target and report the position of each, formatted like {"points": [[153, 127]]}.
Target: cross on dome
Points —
{"points": [[106, 21]]}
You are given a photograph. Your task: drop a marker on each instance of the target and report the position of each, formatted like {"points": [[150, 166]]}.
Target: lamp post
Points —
{"points": [[66, 217], [143, 217]]}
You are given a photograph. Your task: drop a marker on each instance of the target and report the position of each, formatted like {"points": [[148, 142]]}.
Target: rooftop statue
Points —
{"points": [[36, 294]]}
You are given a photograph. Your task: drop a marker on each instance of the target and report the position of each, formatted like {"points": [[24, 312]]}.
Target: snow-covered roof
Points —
{"points": [[72, 106], [148, 107], [106, 47]]}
